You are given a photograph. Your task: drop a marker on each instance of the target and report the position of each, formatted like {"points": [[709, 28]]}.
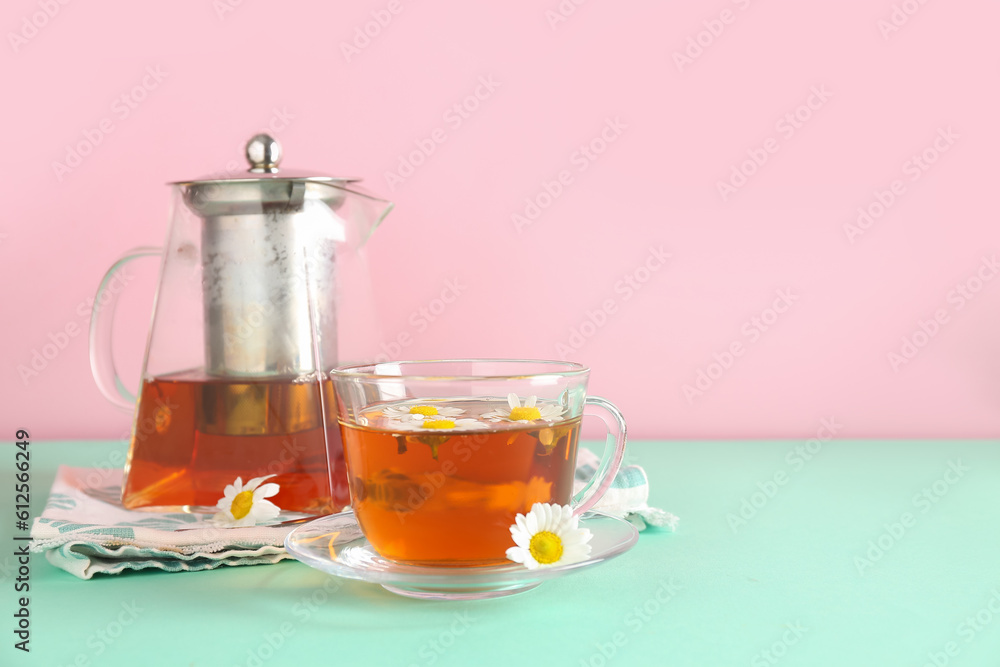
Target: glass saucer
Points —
{"points": [[335, 545]]}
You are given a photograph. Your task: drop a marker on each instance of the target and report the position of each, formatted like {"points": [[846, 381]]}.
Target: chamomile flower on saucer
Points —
{"points": [[419, 413], [247, 505], [547, 536], [527, 413], [436, 423]]}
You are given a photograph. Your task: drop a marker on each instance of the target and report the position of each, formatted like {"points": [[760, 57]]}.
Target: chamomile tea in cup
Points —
{"points": [[442, 456]]}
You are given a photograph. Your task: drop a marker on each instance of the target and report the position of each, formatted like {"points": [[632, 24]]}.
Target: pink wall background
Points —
{"points": [[889, 90]]}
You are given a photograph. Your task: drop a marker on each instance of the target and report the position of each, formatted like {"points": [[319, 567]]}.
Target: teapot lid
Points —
{"points": [[264, 153], [266, 186]]}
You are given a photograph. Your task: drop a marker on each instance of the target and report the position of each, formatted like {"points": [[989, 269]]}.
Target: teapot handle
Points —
{"points": [[102, 362]]}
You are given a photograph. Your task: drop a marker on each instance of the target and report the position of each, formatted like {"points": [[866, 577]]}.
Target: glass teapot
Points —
{"points": [[259, 283]]}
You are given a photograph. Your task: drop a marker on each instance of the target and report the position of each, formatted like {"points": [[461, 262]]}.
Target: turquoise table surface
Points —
{"points": [[854, 553]]}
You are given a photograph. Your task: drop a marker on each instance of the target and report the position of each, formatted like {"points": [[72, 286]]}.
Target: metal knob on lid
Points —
{"points": [[264, 154]]}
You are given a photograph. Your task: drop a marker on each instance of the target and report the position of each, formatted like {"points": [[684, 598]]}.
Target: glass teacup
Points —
{"points": [[442, 455]]}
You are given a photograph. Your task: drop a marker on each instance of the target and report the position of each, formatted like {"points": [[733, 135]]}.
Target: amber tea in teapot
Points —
{"points": [[195, 434]]}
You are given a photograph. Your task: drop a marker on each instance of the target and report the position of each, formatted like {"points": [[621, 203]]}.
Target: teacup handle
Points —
{"points": [[614, 452]]}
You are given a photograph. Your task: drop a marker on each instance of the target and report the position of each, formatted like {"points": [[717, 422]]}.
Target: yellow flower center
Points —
{"points": [[425, 410], [439, 423], [546, 547], [242, 504], [525, 413]]}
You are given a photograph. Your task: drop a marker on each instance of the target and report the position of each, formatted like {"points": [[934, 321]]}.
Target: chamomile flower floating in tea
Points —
{"points": [[529, 412], [547, 536], [437, 423], [420, 412], [247, 505], [432, 424]]}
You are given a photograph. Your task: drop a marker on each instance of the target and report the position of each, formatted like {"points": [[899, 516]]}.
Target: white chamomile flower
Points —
{"points": [[436, 424], [547, 536], [419, 413], [529, 412], [246, 505]]}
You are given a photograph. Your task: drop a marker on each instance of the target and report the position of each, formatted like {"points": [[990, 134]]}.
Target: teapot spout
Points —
{"points": [[361, 209]]}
